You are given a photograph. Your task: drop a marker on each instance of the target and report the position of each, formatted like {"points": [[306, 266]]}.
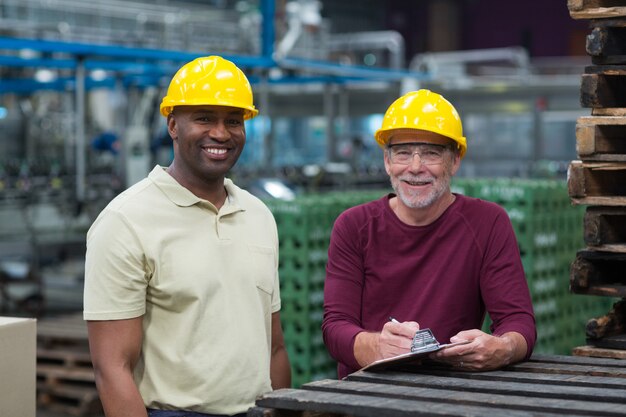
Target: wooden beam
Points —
{"points": [[601, 138], [612, 323], [594, 9], [603, 89], [596, 352], [597, 183], [607, 45], [605, 228], [610, 342], [598, 273]]}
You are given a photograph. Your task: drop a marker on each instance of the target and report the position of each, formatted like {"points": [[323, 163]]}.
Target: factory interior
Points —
{"points": [[80, 87], [81, 84]]}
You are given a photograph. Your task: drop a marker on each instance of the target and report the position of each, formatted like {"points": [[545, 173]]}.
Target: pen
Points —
{"points": [[391, 319]]}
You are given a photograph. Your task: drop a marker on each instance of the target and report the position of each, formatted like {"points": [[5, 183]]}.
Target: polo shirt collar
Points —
{"points": [[233, 200], [181, 196]]}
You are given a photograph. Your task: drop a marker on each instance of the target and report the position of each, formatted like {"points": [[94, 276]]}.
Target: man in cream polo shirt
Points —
{"points": [[181, 285]]}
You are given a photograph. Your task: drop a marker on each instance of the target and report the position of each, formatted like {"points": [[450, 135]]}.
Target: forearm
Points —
{"points": [[119, 394], [280, 369], [367, 348], [516, 347], [115, 347]]}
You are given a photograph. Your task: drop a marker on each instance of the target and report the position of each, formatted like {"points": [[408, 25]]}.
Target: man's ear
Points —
{"points": [[171, 126], [456, 164], [387, 161]]}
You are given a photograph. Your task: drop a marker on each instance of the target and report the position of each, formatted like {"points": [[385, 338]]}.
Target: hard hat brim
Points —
{"points": [[248, 113]]}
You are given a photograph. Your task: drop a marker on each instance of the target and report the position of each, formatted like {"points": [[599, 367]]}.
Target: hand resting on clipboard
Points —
{"points": [[423, 344]]}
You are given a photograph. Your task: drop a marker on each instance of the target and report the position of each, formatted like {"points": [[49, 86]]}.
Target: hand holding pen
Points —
{"points": [[396, 337]]}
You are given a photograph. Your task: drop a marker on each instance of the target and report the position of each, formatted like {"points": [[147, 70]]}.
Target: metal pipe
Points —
{"points": [[433, 60], [330, 112], [386, 39], [267, 129], [124, 9], [268, 33], [80, 131]]}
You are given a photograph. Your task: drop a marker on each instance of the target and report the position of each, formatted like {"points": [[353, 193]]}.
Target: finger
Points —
{"points": [[413, 325], [394, 341], [406, 329], [467, 335], [457, 350], [394, 345], [401, 341]]}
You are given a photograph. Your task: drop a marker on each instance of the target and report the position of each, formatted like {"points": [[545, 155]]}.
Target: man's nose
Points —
{"points": [[219, 131], [416, 161]]}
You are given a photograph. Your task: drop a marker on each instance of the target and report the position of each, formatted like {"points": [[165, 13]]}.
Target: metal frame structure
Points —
{"points": [[141, 67], [150, 65]]}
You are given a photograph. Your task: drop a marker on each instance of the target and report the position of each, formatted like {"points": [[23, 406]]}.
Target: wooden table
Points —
{"points": [[546, 385]]}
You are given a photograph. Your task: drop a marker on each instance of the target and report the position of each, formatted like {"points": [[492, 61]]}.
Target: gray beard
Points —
{"points": [[419, 199]]}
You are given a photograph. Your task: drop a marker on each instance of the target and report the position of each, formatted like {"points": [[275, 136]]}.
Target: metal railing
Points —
{"points": [[189, 27]]}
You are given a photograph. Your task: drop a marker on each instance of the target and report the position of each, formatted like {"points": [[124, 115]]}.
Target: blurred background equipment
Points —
{"points": [[81, 83]]}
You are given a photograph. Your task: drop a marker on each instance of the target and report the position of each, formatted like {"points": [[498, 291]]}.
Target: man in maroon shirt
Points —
{"points": [[426, 256]]}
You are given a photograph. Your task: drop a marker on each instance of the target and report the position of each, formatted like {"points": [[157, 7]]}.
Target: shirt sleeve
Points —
{"points": [[342, 291], [116, 275], [503, 284]]}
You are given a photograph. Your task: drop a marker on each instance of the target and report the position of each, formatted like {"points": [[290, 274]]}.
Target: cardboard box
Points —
{"points": [[18, 367]]}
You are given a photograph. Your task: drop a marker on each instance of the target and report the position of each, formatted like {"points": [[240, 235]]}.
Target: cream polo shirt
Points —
{"points": [[205, 282]]}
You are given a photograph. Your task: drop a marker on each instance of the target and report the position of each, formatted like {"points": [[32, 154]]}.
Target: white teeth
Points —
{"points": [[216, 151]]}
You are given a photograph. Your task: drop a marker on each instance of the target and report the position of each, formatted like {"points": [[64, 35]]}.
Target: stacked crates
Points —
{"points": [[304, 228], [547, 227]]}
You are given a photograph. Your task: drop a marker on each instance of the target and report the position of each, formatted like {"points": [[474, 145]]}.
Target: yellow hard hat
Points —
{"points": [[422, 110], [210, 80]]}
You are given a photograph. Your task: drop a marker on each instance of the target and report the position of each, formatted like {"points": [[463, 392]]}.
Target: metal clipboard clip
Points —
{"points": [[424, 341]]}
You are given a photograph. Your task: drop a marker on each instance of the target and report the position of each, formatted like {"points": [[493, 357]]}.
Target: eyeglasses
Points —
{"points": [[403, 153]]}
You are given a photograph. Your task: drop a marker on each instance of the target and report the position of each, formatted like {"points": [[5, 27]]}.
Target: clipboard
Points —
{"points": [[423, 344]]}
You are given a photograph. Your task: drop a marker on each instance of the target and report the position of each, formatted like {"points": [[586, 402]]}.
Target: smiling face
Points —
{"points": [[208, 141], [418, 185]]}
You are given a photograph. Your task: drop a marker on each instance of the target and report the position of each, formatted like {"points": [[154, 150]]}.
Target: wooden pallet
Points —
{"points": [[596, 352], [598, 273], [617, 342], [598, 178], [70, 391], [65, 376], [601, 139], [595, 9], [597, 183], [606, 44], [611, 324], [605, 228], [604, 86]]}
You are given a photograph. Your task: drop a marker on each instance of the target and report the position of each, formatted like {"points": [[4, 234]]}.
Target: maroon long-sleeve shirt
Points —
{"points": [[444, 275]]}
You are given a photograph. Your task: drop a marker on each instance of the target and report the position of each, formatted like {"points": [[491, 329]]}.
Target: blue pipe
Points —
{"points": [[268, 33], [111, 51]]}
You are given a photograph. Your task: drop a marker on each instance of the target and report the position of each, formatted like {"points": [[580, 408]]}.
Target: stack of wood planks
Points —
{"points": [[598, 178], [65, 377]]}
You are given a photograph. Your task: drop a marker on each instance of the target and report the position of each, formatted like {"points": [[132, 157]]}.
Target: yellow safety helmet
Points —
{"points": [[210, 80], [422, 110]]}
